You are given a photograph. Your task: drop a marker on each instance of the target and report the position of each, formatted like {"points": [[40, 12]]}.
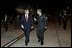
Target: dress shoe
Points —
{"points": [[38, 40], [42, 42], [26, 44]]}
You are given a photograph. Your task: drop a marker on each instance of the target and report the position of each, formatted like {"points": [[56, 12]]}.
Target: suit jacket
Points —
{"points": [[26, 24], [41, 21]]}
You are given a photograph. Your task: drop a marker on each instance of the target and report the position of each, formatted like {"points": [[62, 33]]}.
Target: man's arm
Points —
{"points": [[21, 22], [45, 20], [31, 22]]}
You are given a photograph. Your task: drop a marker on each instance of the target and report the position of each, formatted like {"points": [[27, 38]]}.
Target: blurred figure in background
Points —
{"points": [[6, 22], [66, 15], [17, 22], [59, 17]]}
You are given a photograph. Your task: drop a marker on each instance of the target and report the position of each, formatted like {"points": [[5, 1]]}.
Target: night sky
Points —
{"points": [[10, 5]]}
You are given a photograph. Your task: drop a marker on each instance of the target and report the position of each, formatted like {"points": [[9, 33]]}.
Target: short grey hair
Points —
{"points": [[39, 10]]}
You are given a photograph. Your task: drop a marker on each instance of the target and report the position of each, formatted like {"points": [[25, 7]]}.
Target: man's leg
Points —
{"points": [[42, 37], [26, 32], [38, 35], [64, 23], [60, 22], [6, 26]]}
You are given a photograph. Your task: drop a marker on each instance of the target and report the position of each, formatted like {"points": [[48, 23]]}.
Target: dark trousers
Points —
{"points": [[59, 20], [40, 34], [26, 33], [65, 18], [6, 26], [64, 23]]}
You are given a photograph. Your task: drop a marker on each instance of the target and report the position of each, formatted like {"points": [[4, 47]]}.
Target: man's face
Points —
{"points": [[38, 12], [26, 11]]}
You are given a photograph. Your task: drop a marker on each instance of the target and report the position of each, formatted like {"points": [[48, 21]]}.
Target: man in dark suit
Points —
{"points": [[41, 19], [26, 24]]}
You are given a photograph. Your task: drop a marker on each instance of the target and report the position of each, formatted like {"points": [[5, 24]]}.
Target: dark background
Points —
{"points": [[8, 6]]}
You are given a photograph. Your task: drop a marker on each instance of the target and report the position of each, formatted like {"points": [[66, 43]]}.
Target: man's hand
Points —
{"points": [[34, 19], [45, 27], [46, 18], [22, 26], [31, 27]]}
